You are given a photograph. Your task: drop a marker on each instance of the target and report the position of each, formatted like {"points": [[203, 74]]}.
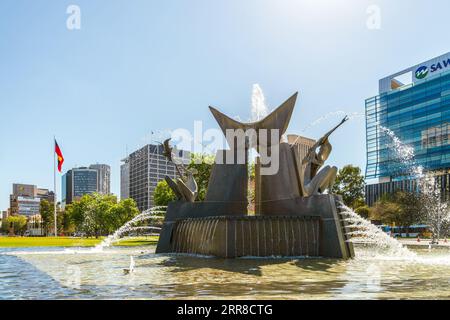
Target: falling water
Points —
{"points": [[333, 114], [436, 212], [404, 153], [259, 107], [130, 226], [363, 231]]}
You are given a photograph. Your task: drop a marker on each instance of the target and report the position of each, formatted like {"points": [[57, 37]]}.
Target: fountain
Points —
{"points": [[130, 269], [294, 214], [289, 222], [436, 211], [150, 214], [294, 217], [362, 231], [259, 107]]}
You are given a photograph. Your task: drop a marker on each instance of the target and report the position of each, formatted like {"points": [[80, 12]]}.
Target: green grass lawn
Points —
{"points": [[17, 242]]}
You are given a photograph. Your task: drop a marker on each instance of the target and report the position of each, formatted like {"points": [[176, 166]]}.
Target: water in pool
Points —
{"points": [[60, 273]]}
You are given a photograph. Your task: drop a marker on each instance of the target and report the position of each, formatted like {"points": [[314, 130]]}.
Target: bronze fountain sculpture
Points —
{"points": [[293, 215]]}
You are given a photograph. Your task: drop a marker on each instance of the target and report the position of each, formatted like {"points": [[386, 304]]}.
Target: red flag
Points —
{"points": [[60, 156]]}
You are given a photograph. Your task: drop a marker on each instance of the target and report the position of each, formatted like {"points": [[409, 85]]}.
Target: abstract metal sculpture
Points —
{"points": [[292, 218], [186, 190], [315, 181]]}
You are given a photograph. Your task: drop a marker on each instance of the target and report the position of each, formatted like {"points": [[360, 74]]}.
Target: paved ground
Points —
{"points": [[424, 243]]}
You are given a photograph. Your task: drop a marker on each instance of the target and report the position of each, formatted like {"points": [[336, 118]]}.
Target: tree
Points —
{"points": [[350, 185], [251, 194], [122, 212], [163, 194], [363, 211], [67, 224], [252, 170], [18, 224], [90, 213], [46, 211], [386, 211], [97, 218], [201, 165], [97, 215], [77, 210], [412, 208], [401, 208], [5, 225]]}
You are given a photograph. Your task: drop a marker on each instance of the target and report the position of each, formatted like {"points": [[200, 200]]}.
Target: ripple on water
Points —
{"points": [[53, 274]]}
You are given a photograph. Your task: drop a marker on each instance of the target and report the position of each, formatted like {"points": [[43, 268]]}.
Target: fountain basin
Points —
{"points": [[299, 226]]}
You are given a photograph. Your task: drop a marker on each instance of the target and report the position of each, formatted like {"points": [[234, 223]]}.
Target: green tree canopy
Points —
{"points": [[163, 194], [363, 211], [350, 185], [65, 222], [18, 223], [201, 165], [97, 220], [46, 211], [97, 214], [122, 212], [401, 208]]}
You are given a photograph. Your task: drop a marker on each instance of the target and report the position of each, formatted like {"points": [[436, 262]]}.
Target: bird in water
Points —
{"points": [[131, 268]]}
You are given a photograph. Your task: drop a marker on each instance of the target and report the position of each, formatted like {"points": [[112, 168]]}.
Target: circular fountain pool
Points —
{"points": [[85, 274]]}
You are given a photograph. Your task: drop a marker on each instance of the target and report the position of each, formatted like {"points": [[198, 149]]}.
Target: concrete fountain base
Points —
{"points": [[296, 227], [232, 237]]}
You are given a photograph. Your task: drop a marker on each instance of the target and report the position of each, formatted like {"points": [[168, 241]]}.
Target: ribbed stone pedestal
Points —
{"points": [[231, 237]]}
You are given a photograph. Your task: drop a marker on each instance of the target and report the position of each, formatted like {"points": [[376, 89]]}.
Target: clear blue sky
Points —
{"points": [[137, 66]]}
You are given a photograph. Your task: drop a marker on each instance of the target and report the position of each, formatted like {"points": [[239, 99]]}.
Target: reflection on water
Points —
{"points": [[58, 274]]}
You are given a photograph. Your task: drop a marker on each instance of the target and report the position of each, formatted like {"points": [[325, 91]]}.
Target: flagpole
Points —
{"points": [[54, 185]]}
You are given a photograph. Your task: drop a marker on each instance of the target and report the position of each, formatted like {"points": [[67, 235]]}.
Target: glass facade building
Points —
{"points": [[418, 112], [80, 181], [84, 181], [77, 182]]}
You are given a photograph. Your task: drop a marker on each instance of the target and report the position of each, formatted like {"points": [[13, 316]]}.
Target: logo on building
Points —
{"points": [[422, 72], [438, 67]]}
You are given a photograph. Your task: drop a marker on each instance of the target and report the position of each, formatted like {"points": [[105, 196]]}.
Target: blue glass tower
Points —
{"points": [[415, 105]]}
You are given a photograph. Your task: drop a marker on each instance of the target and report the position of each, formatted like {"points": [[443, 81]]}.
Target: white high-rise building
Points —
{"points": [[104, 178], [142, 171], [125, 179]]}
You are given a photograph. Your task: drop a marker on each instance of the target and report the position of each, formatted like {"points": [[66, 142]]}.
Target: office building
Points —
{"points": [[77, 182], [85, 180], [103, 178], [143, 169], [415, 105], [125, 179], [25, 199], [302, 144]]}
